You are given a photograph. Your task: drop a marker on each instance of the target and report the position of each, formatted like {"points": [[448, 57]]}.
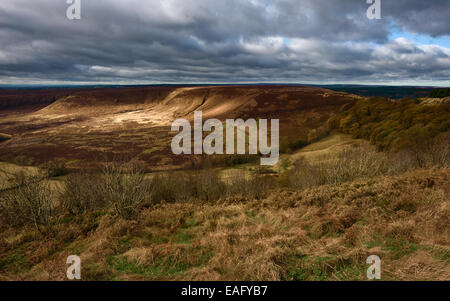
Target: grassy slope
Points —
{"points": [[328, 146], [323, 233]]}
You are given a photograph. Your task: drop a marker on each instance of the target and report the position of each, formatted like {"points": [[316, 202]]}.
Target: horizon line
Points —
{"points": [[101, 84]]}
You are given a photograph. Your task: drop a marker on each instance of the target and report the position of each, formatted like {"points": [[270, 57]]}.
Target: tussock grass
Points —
{"points": [[319, 233]]}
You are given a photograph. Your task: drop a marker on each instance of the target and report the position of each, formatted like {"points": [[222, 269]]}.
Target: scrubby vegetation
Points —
{"points": [[393, 125], [29, 202], [320, 233], [365, 162]]}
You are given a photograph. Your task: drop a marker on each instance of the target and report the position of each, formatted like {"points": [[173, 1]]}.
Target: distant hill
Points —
{"points": [[383, 91], [13, 96]]}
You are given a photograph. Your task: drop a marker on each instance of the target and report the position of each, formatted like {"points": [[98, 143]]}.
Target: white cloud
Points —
{"points": [[263, 46]]}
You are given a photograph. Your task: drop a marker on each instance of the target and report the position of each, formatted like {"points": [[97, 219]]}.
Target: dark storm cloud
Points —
{"points": [[220, 41], [423, 17]]}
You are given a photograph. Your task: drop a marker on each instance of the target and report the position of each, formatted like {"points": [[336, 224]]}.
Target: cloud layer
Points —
{"points": [[174, 41]]}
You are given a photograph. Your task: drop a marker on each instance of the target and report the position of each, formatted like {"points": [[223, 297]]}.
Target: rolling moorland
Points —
{"points": [[90, 172]]}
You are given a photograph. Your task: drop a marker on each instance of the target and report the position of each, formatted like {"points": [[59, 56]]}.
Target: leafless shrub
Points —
{"points": [[83, 192], [362, 162], [350, 164], [29, 202], [124, 187], [207, 185], [354, 163]]}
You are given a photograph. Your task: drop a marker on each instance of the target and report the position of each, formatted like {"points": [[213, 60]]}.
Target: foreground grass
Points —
{"points": [[320, 233]]}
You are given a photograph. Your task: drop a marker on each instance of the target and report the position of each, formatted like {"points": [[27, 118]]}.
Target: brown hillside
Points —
{"points": [[99, 124]]}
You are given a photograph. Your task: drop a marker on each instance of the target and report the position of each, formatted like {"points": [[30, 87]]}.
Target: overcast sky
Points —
{"points": [[227, 41]]}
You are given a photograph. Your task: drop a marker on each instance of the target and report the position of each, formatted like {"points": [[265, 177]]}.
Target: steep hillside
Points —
{"points": [[395, 124], [101, 124]]}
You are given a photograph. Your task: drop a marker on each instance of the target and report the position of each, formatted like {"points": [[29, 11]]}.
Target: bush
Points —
{"points": [[361, 162], [402, 161], [354, 163], [29, 202], [436, 152], [83, 192], [124, 188]]}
